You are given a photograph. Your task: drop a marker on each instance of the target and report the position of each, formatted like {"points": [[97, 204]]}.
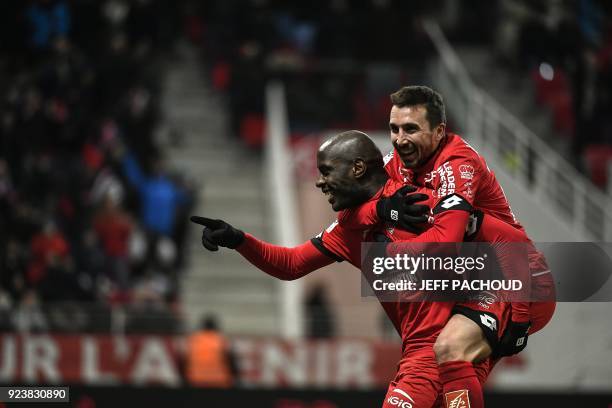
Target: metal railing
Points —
{"points": [[92, 317], [283, 202], [527, 158]]}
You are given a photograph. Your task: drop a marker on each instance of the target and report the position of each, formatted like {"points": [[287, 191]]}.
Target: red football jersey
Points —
{"points": [[418, 323], [457, 168]]}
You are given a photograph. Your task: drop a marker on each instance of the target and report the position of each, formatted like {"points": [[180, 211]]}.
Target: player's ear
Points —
{"points": [[359, 168], [439, 131]]}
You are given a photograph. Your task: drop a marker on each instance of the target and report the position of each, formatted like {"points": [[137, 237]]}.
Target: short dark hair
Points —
{"points": [[422, 95]]}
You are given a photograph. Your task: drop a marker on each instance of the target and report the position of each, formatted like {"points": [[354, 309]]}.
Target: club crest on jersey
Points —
{"points": [[466, 172]]}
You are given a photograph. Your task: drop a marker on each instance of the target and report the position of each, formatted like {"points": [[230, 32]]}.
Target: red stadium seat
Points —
{"points": [[563, 113], [221, 76], [598, 159], [547, 91], [252, 129]]}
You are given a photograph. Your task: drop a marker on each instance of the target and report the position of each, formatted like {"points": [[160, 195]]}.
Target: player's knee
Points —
{"points": [[448, 348]]}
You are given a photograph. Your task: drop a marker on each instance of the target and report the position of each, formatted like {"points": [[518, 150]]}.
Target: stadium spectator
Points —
{"points": [[28, 316], [69, 94], [210, 361], [319, 317], [49, 20], [161, 199], [5, 312], [114, 227], [48, 248]]}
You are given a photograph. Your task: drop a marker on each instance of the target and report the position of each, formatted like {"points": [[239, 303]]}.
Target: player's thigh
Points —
{"points": [[417, 382], [461, 340], [473, 332], [412, 392], [541, 313]]}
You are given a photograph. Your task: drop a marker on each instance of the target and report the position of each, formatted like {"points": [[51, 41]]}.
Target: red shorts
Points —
{"points": [[541, 313], [417, 383], [493, 316]]}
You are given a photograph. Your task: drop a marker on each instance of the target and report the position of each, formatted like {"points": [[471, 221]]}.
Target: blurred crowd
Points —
{"points": [[88, 209], [565, 46], [339, 59]]}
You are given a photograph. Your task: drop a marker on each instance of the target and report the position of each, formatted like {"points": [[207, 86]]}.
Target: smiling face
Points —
{"points": [[412, 135], [337, 181]]}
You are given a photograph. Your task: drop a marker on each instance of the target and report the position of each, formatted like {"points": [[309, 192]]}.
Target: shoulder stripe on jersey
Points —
{"points": [[318, 243], [388, 157]]}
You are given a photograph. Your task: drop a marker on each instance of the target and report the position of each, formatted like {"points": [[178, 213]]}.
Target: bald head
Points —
{"points": [[351, 169], [350, 146]]}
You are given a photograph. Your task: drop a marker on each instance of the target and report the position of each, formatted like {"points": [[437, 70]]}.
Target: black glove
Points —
{"points": [[218, 233], [378, 237], [514, 339], [400, 209]]}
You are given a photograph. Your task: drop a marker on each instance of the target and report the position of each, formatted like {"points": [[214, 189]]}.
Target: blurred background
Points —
{"points": [[119, 119]]}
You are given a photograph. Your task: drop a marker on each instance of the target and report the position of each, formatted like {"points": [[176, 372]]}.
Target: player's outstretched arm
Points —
{"points": [[281, 262]]}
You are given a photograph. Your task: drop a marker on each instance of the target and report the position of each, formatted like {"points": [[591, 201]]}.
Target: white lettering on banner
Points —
{"points": [[279, 366], [8, 368], [245, 350], [40, 355], [103, 359], [322, 366], [90, 364], [354, 364], [154, 364], [272, 363]]}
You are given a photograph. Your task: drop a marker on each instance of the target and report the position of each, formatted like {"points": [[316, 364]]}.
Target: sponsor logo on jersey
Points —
{"points": [[466, 171], [457, 399], [467, 190], [485, 299], [429, 177], [447, 179], [399, 402], [488, 321], [451, 202]]}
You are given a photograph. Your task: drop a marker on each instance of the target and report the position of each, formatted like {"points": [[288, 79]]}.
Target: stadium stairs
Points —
{"points": [[230, 183], [513, 91]]}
